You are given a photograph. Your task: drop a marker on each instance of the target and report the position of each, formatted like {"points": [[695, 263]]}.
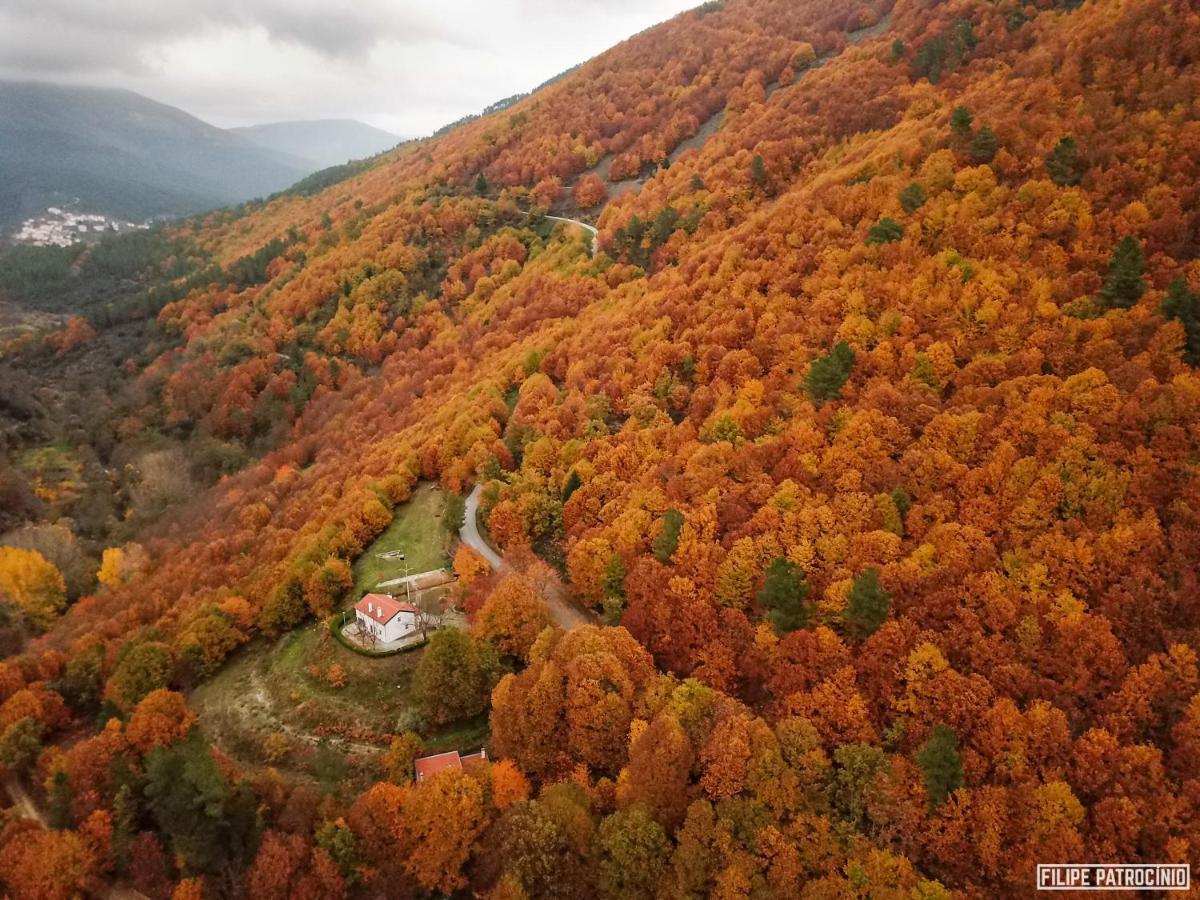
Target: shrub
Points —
{"points": [[885, 231], [912, 198]]}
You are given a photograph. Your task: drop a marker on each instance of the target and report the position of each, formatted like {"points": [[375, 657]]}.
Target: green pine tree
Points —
{"points": [[455, 676], [885, 231], [829, 373], [667, 541], [1123, 284], [912, 198], [1064, 164], [868, 606], [985, 145], [613, 584], [931, 58], [572, 485], [960, 122], [210, 824], [785, 595], [1183, 305], [941, 765], [663, 226], [964, 38], [758, 171], [338, 840], [1015, 17], [613, 579], [62, 795]]}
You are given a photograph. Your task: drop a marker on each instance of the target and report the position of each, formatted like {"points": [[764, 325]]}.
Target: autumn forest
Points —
{"points": [[866, 440]]}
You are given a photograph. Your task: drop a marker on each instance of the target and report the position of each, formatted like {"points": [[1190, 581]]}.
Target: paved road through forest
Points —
{"points": [[564, 613]]}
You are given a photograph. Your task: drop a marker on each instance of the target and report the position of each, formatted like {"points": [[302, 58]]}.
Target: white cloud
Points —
{"points": [[405, 65]]}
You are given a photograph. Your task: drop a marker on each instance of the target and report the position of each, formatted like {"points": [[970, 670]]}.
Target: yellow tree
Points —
{"points": [[512, 616], [586, 564], [469, 566], [32, 582], [442, 818], [119, 564]]}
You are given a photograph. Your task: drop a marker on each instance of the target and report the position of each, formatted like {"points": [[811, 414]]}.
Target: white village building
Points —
{"points": [[387, 618]]}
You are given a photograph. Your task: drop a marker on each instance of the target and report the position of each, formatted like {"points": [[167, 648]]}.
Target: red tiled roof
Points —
{"points": [[429, 766], [472, 760], [383, 608]]}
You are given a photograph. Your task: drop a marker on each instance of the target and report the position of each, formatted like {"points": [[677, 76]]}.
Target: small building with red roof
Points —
{"points": [[428, 766], [385, 618]]}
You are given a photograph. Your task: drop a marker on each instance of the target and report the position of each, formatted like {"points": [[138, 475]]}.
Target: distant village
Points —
{"points": [[62, 228]]}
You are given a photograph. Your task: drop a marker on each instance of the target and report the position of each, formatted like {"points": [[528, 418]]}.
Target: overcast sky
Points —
{"points": [[409, 66]]}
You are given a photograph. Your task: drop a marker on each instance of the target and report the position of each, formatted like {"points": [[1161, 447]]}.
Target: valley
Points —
{"points": [[797, 403]]}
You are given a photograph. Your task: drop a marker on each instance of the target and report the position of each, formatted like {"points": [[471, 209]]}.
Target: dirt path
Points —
{"points": [[566, 615], [258, 706], [22, 802]]}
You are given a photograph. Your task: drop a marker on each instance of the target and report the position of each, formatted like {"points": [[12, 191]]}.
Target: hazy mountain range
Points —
{"points": [[117, 152], [321, 142]]}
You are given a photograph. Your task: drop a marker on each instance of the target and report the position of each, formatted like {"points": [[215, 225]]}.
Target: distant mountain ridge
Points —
{"points": [[120, 153], [323, 142]]}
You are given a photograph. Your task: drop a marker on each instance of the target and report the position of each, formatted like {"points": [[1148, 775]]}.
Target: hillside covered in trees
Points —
{"points": [[869, 435]]}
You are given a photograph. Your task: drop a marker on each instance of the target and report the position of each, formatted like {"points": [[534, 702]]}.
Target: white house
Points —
{"points": [[387, 618]]}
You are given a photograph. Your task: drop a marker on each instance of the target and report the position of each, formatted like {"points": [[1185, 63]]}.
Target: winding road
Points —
{"points": [[585, 225], [566, 615], [469, 533]]}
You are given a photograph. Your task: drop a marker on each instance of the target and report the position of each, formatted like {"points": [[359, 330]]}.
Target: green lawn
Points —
{"points": [[417, 531]]}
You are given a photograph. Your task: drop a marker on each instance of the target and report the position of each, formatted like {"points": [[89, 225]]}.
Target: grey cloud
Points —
{"points": [[342, 29], [407, 65], [71, 35], [24, 50]]}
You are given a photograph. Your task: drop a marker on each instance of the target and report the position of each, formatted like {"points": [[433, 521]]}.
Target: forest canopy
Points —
{"points": [[865, 441]]}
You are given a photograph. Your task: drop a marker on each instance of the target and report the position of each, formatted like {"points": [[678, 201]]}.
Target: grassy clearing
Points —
{"points": [[417, 531], [274, 704], [277, 704]]}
